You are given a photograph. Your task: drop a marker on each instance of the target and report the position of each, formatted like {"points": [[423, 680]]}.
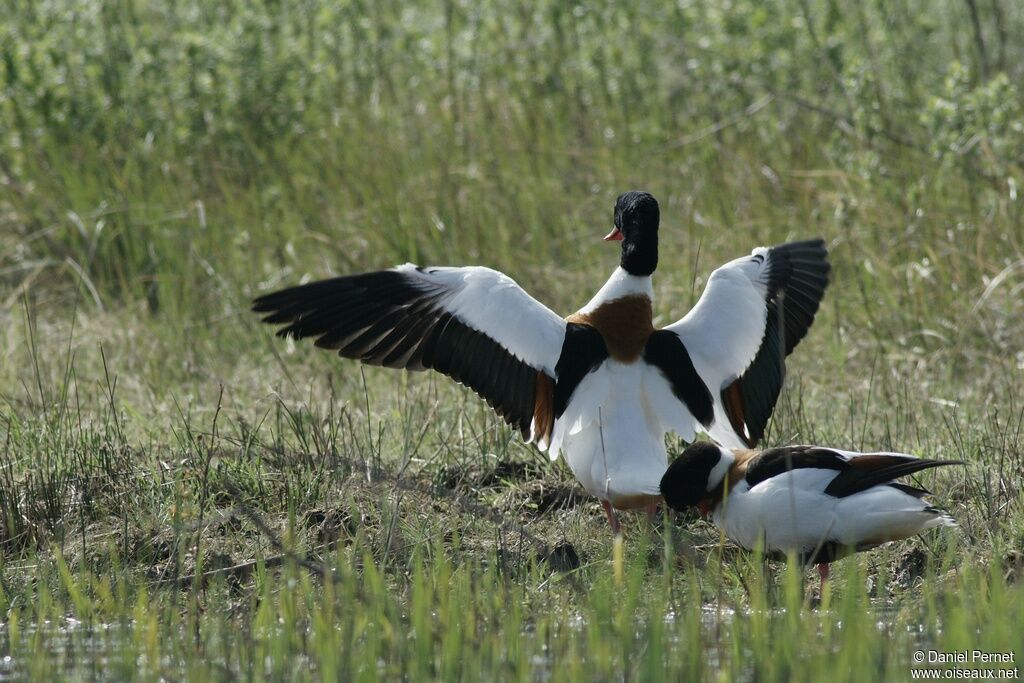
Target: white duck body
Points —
{"points": [[612, 436], [814, 501], [793, 514]]}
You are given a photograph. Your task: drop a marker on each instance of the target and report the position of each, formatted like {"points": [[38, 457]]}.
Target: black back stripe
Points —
{"points": [[852, 475], [387, 318], [772, 462], [666, 351], [583, 351]]}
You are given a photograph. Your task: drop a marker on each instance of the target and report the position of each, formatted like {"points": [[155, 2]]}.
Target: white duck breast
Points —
{"points": [[602, 386], [611, 435]]}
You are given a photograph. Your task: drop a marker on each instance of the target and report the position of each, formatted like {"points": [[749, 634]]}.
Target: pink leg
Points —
{"points": [[823, 572], [613, 519]]}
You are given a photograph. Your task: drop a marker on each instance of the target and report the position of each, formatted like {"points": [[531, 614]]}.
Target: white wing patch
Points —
{"points": [[723, 332], [492, 302]]}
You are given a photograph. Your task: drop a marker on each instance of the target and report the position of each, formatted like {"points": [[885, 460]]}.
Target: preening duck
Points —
{"points": [[820, 503], [602, 386]]}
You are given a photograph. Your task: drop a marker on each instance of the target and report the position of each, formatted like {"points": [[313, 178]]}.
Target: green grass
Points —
{"points": [[161, 163]]}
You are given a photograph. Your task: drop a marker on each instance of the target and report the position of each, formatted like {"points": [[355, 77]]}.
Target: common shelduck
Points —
{"points": [[602, 386], [819, 503]]}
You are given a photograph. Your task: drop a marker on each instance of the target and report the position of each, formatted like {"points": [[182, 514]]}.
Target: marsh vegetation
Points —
{"points": [[182, 495]]}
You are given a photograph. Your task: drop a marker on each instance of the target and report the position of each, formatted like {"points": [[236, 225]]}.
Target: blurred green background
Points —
{"points": [[170, 150]]}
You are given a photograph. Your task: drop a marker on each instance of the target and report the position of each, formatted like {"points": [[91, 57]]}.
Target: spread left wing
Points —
{"points": [[474, 324]]}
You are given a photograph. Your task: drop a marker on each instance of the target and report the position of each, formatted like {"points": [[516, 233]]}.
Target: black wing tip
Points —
{"points": [[914, 461], [805, 261], [338, 285], [271, 302], [809, 254], [929, 464], [808, 278], [813, 244], [854, 480], [276, 301]]}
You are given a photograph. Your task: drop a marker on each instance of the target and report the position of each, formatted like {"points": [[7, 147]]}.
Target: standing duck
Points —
{"points": [[602, 386], [819, 503]]}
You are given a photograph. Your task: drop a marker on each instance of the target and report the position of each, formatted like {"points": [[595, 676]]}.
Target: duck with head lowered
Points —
{"points": [[818, 503], [602, 386]]}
